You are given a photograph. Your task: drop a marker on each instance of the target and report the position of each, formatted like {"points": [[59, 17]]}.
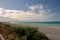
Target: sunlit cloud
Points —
{"points": [[41, 15]]}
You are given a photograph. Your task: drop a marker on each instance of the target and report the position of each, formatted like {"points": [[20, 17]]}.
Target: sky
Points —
{"points": [[30, 10]]}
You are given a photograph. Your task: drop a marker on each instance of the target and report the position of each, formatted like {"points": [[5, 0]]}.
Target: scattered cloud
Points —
{"points": [[34, 7], [30, 15]]}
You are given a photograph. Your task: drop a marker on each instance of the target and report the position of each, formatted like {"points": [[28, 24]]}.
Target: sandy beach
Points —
{"points": [[53, 32]]}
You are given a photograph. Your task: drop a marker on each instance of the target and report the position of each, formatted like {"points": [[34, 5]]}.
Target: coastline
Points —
{"points": [[52, 32]]}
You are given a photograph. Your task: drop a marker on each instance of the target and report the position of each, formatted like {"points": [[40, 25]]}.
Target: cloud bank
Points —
{"points": [[34, 13]]}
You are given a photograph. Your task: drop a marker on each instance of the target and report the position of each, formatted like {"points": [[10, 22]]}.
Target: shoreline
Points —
{"points": [[52, 32]]}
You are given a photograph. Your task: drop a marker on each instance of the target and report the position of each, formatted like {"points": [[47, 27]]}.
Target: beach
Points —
{"points": [[52, 32]]}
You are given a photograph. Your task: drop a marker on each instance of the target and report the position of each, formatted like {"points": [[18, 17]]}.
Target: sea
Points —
{"points": [[40, 23]]}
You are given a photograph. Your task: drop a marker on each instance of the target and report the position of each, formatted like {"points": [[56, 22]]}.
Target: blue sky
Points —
{"points": [[44, 8]]}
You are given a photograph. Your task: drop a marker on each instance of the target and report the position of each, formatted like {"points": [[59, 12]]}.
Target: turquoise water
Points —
{"points": [[41, 23]]}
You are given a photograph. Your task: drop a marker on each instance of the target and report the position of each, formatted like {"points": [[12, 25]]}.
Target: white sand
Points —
{"points": [[53, 32]]}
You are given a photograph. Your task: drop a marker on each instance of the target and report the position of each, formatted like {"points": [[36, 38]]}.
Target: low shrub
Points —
{"points": [[22, 33]]}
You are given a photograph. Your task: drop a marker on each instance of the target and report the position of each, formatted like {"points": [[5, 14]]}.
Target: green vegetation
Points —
{"points": [[10, 32]]}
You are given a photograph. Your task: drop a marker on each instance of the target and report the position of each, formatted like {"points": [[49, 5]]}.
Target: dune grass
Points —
{"points": [[21, 33]]}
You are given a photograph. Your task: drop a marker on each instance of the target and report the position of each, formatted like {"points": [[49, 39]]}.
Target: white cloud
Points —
{"points": [[27, 15], [33, 7], [1, 9]]}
